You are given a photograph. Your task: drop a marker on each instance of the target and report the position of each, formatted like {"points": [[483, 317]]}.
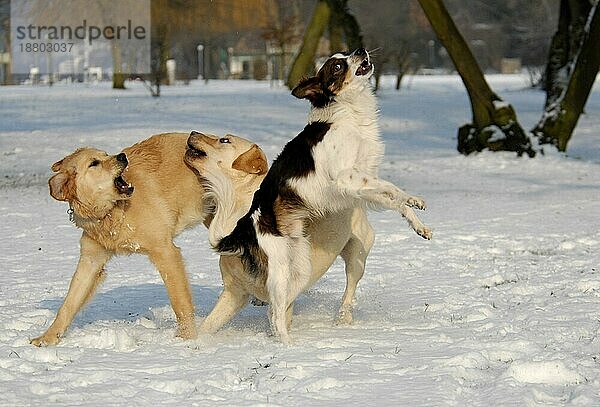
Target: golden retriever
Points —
{"points": [[133, 202], [232, 169]]}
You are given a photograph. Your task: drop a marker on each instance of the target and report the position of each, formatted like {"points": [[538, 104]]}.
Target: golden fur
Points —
{"points": [[166, 198]]}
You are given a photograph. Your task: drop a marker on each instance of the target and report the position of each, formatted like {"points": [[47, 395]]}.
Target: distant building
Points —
{"points": [[510, 65]]}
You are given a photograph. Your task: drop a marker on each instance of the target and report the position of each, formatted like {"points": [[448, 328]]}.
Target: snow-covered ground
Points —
{"points": [[502, 307]]}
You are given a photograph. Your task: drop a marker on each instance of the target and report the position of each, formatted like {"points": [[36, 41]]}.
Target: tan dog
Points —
{"points": [[233, 169], [116, 219]]}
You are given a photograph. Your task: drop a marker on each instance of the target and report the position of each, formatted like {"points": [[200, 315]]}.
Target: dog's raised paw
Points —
{"points": [[425, 233], [416, 202]]}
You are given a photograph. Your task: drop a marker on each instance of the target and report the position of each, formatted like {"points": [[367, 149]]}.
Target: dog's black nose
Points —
{"points": [[360, 52], [122, 158]]}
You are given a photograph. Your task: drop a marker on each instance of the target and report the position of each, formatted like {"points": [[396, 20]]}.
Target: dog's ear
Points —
{"points": [[62, 186], [308, 88], [252, 161], [56, 166]]}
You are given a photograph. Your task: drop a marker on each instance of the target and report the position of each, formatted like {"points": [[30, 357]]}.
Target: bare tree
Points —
{"points": [[283, 31], [571, 71], [164, 14], [334, 15], [572, 68], [343, 21], [304, 63], [495, 125], [397, 33], [67, 11], [5, 29]]}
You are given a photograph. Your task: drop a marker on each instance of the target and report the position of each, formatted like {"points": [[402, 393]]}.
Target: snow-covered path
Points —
{"points": [[502, 307]]}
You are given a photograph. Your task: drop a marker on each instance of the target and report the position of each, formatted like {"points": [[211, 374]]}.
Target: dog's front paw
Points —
{"points": [[45, 340], [424, 232], [187, 331], [416, 202]]}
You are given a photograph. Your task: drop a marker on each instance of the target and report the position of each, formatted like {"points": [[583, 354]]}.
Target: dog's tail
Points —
{"points": [[242, 241], [234, 243]]}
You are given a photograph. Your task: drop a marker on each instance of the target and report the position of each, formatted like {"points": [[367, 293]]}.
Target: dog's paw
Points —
{"points": [[286, 339], [344, 316], [187, 332], [416, 202], [45, 340], [425, 233], [258, 303]]}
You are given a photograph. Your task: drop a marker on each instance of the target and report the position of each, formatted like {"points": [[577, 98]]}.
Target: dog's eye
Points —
{"points": [[337, 66], [94, 163], [224, 140]]}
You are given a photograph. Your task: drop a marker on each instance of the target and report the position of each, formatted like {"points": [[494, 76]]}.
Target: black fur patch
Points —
{"points": [[243, 240], [295, 161], [321, 89]]}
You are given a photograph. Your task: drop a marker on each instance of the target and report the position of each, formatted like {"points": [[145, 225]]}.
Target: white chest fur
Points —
{"points": [[352, 142]]}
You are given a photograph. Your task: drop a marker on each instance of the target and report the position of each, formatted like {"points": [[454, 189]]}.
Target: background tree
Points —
{"points": [[5, 38], [64, 12], [303, 64], [343, 21], [163, 14], [496, 29], [398, 34], [334, 15], [572, 67], [495, 125], [179, 26], [283, 31]]}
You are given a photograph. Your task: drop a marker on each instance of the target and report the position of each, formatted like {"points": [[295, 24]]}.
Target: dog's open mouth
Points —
{"points": [[123, 187], [364, 68]]}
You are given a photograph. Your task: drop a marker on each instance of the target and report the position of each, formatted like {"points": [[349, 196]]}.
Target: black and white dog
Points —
{"points": [[331, 165]]}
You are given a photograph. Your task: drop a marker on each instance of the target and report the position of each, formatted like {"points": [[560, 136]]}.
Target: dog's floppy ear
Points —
{"points": [[56, 166], [308, 88], [62, 186], [252, 161]]}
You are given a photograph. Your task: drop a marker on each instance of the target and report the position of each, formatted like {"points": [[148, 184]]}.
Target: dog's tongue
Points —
{"points": [[123, 186]]}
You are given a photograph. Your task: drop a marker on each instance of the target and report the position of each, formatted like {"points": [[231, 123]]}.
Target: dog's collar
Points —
{"points": [[78, 220]]}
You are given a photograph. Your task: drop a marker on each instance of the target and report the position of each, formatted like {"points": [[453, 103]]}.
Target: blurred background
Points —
{"points": [[259, 39]]}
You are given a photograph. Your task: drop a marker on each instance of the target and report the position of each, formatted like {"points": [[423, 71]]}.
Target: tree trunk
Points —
{"points": [[8, 80], [563, 110], [564, 47], [490, 114], [403, 62], [6, 43], [399, 77], [336, 32], [377, 80], [354, 38], [118, 75], [160, 55], [304, 63]]}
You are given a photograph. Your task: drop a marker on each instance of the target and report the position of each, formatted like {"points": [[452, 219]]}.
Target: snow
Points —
{"points": [[502, 307]]}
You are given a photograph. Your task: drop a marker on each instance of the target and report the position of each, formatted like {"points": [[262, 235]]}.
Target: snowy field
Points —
{"points": [[502, 307]]}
